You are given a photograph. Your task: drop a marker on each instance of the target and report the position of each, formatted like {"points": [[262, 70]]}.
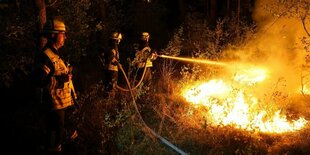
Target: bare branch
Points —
{"points": [[281, 15], [53, 3], [303, 20]]}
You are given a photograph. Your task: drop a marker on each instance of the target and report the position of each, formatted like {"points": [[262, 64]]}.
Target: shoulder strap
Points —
{"points": [[60, 67], [51, 55]]}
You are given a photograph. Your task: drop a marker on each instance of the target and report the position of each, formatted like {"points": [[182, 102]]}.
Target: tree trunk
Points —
{"points": [[103, 9], [238, 11], [213, 10], [228, 8], [40, 19], [228, 4], [182, 10], [238, 19]]}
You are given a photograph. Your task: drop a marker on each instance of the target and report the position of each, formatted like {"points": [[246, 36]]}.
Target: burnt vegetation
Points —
{"points": [[199, 28]]}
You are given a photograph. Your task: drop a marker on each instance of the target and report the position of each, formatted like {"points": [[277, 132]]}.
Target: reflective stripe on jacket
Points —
{"points": [[60, 93]]}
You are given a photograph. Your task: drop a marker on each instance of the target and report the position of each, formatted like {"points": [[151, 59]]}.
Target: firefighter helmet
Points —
{"points": [[145, 36], [116, 36], [54, 26]]}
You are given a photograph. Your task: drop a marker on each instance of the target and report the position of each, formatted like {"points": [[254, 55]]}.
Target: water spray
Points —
{"points": [[194, 60]]}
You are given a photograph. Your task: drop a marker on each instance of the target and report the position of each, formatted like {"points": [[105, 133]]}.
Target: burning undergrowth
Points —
{"points": [[240, 111], [244, 109], [239, 101], [187, 127]]}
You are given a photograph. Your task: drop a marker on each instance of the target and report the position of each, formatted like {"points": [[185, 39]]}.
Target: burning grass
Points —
{"points": [[185, 126], [244, 117], [223, 105]]}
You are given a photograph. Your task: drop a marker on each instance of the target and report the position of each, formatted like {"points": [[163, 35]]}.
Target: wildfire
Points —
{"points": [[233, 105]]}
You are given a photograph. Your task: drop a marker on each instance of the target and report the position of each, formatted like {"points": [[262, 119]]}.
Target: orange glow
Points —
{"points": [[230, 102]]}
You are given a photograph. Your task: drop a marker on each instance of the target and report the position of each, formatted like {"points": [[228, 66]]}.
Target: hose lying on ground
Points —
{"points": [[163, 140]]}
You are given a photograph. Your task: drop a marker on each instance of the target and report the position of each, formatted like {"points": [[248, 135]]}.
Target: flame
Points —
{"points": [[237, 107], [305, 90], [251, 75]]}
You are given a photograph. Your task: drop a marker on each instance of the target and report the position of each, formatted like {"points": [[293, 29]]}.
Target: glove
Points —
{"points": [[154, 56]]}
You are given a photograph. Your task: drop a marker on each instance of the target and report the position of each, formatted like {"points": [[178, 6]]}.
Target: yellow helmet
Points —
{"points": [[145, 36], [54, 26], [116, 36]]}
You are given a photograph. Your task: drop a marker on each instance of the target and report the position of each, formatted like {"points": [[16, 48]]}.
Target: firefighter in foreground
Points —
{"points": [[52, 74], [144, 57], [111, 58]]}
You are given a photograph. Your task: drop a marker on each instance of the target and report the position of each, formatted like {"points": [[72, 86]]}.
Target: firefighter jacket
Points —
{"points": [[59, 89], [144, 58], [112, 60]]}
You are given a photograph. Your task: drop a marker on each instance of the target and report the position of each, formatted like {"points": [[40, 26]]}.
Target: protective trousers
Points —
{"points": [[55, 130]]}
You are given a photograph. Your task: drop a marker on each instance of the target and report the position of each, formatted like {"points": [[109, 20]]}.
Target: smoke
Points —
{"points": [[277, 45]]}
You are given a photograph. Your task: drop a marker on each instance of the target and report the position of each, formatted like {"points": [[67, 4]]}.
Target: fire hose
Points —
{"points": [[163, 140], [136, 86]]}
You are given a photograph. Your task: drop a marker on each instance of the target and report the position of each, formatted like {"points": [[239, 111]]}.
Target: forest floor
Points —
{"points": [[114, 127]]}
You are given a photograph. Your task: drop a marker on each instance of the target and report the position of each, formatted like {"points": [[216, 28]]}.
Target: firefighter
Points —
{"points": [[144, 57], [111, 63], [52, 75]]}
